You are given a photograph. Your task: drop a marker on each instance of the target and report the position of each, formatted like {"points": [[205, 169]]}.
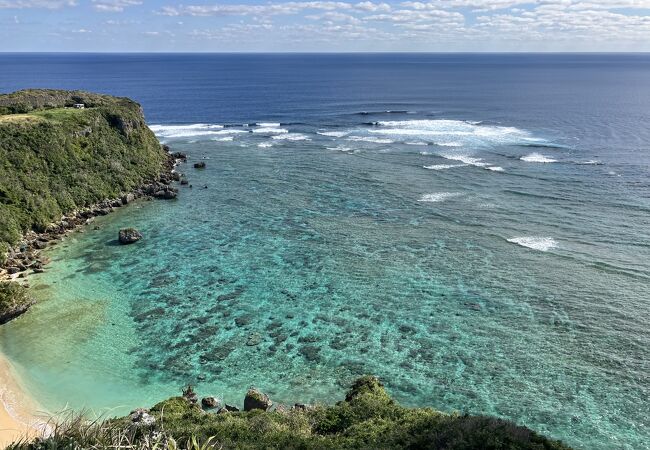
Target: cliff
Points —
{"points": [[56, 159]]}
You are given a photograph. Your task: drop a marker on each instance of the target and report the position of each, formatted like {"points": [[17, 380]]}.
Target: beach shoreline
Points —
{"points": [[21, 417]]}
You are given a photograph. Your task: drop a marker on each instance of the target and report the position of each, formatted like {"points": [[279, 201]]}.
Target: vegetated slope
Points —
{"points": [[367, 419], [55, 159]]}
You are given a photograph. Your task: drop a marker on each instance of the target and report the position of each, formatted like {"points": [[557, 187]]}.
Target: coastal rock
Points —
{"points": [[129, 236], [199, 165], [228, 408], [256, 399], [190, 395], [12, 270], [141, 417], [210, 402], [128, 198], [184, 181], [179, 155]]}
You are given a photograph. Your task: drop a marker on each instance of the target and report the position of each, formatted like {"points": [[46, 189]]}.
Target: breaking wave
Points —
{"points": [[542, 244], [438, 197], [538, 158]]}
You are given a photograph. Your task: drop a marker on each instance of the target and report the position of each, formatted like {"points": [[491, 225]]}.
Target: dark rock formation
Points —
{"points": [[199, 165], [129, 236], [210, 402], [256, 399]]}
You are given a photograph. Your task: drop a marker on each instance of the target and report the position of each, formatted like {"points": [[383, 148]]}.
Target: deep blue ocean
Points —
{"points": [[473, 229]]}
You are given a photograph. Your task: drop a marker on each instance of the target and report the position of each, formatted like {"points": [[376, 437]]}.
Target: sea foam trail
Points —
{"points": [[538, 158], [268, 124], [536, 243], [438, 197]]}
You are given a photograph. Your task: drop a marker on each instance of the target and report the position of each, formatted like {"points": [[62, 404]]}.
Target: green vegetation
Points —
{"points": [[55, 159], [367, 419]]}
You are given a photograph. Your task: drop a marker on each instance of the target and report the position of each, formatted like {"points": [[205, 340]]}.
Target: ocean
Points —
{"points": [[471, 228]]}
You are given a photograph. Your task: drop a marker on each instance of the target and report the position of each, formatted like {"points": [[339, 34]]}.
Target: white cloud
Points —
{"points": [[43, 4], [114, 5]]}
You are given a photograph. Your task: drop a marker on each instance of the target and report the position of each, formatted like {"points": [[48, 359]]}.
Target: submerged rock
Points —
{"points": [[256, 399], [199, 165], [129, 236]]}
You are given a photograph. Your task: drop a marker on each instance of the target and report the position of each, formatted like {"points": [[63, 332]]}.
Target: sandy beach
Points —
{"points": [[20, 415]]}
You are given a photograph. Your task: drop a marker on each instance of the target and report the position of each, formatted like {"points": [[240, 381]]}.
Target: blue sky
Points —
{"points": [[286, 26]]}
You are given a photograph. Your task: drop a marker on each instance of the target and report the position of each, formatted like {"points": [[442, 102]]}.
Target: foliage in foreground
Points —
{"points": [[367, 419], [55, 159]]}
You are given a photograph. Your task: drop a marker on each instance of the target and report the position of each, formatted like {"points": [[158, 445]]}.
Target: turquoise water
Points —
{"points": [[332, 261], [482, 248]]}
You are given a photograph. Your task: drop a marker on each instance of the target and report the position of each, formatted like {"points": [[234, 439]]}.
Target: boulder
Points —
{"points": [[199, 165], [12, 270], [184, 181], [128, 198], [210, 402], [189, 394], [129, 236], [228, 408], [166, 193], [256, 399]]}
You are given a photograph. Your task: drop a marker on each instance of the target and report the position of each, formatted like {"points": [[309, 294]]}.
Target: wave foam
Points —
{"points": [[370, 139], [341, 148], [443, 166], [265, 145], [538, 158], [438, 197], [542, 244], [179, 131], [336, 134], [454, 132], [270, 130], [495, 168], [268, 124], [465, 159], [291, 137], [222, 139]]}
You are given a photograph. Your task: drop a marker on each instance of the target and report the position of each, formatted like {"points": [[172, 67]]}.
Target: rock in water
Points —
{"points": [[256, 399], [189, 394], [129, 236], [199, 165], [210, 402]]}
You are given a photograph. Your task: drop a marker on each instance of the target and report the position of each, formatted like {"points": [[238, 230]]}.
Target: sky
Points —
{"points": [[324, 26]]}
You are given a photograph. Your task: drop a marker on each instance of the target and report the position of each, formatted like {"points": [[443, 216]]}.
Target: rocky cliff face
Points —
{"points": [[60, 165], [55, 159]]}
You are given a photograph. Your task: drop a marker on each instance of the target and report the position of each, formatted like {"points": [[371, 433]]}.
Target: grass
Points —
{"points": [[368, 418]]}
